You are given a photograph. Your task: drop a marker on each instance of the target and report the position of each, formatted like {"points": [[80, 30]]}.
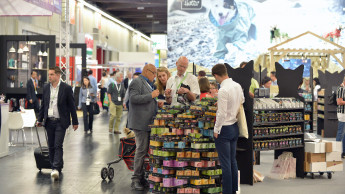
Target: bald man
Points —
{"points": [[143, 107], [184, 87]]}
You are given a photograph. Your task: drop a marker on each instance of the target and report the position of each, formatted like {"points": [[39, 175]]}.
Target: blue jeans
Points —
{"points": [[340, 134], [226, 147], [56, 136]]}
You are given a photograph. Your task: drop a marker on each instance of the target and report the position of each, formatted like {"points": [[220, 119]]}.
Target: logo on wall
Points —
{"points": [[191, 4]]}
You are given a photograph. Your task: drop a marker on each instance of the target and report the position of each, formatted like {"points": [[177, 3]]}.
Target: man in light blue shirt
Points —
{"points": [[93, 82]]}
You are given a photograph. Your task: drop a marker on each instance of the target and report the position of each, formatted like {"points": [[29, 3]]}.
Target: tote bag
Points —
{"points": [[242, 123]]}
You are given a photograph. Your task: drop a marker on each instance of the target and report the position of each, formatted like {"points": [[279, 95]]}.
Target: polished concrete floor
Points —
{"points": [[86, 154]]}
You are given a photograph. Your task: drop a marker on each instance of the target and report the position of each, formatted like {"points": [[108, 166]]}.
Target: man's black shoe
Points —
{"points": [[145, 183], [137, 186]]}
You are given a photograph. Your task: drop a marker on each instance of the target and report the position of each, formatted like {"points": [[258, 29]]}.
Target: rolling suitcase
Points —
{"points": [[42, 154]]}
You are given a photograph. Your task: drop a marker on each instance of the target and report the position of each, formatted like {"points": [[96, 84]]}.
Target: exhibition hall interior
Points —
{"points": [[172, 96]]}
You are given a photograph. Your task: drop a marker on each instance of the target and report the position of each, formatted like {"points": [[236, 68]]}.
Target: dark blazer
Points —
{"points": [[66, 105], [125, 83], [30, 89]]}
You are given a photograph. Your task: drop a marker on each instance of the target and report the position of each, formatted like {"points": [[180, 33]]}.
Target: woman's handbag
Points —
{"points": [[95, 108], [242, 123]]}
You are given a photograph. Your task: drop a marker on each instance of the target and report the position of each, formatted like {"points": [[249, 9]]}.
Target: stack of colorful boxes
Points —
{"points": [[183, 158]]}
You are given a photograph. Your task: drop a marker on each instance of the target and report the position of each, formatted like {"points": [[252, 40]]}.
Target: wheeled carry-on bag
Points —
{"points": [[42, 154]]}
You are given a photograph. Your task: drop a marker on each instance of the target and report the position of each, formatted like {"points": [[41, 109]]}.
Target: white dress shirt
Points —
{"points": [[230, 97], [174, 81], [54, 93]]}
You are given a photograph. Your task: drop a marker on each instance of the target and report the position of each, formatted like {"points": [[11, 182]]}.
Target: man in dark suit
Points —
{"points": [[57, 108], [127, 81], [31, 92]]}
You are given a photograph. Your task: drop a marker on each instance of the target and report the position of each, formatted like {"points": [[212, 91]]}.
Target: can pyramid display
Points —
{"points": [[183, 158]]}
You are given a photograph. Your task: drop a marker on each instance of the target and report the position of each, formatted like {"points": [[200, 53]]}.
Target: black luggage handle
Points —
{"points": [[38, 138]]}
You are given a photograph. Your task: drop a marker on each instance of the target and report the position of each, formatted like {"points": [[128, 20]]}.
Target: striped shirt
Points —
{"points": [[341, 94]]}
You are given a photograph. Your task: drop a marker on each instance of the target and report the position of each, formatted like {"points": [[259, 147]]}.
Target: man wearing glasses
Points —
{"points": [[182, 88], [143, 107]]}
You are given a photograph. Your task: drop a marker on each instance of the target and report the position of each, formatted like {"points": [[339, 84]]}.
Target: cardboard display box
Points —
{"points": [[315, 167], [313, 157], [335, 166], [333, 156], [336, 146], [315, 147]]}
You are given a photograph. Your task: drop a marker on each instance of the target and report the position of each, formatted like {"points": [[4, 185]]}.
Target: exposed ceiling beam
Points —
{"points": [[133, 15], [138, 11], [145, 21], [122, 6]]}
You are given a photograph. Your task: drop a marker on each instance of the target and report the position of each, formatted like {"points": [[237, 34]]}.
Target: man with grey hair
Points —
{"points": [[116, 94]]}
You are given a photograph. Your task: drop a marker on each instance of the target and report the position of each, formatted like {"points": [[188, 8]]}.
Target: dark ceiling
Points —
{"points": [[147, 16]]}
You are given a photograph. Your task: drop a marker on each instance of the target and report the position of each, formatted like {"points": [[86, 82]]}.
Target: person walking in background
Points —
{"points": [[230, 98], [56, 111], [341, 115], [274, 78], [317, 87], [116, 94], [143, 107], [127, 81], [204, 88], [93, 82], [201, 74], [182, 88], [86, 100], [111, 79], [266, 82], [213, 89], [163, 75], [31, 92], [104, 88]]}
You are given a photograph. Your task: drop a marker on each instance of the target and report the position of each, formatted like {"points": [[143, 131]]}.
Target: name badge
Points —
{"points": [[87, 102], [118, 98], [36, 92], [50, 112]]}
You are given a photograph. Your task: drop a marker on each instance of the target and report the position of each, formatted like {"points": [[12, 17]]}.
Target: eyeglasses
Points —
{"points": [[154, 73]]}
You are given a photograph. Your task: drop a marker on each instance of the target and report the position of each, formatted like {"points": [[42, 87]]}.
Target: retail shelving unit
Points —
{"points": [[327, 113], [272, 133], [19, 56]]}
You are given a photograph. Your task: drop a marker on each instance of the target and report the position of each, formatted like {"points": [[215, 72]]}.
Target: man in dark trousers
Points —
{"points": [[31, 92], [128, 80], [57, 108]]}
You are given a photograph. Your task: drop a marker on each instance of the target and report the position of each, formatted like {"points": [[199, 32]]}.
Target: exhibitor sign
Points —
{"points": [[191, 4]]}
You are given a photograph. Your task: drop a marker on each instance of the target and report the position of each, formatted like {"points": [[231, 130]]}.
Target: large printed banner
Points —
{"points": [[232, 31], [51, 5]]}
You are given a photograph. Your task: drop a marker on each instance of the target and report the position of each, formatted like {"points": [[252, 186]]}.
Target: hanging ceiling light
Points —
{"points": [[12, 49], [45, 54], [26, 48], [39, 53], [20, 50], [45, 50]]}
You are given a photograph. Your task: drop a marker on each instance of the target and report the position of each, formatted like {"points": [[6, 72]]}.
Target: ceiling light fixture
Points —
{"points": [[26, 49], [12, 49], [155, 22], [140, 8], [39, 53], [149, 16], [20, 50]]}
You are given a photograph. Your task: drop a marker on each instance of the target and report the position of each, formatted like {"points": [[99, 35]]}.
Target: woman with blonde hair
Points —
{"points": [[163, 75]]}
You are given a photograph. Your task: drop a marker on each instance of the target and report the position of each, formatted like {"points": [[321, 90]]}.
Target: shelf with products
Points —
{"points": [[282, 148], [23, 54], [275, 136], [280, 122]]}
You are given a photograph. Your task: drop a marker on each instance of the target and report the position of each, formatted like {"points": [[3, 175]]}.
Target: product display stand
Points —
{"points": [[183, 158], [327, 113]]}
